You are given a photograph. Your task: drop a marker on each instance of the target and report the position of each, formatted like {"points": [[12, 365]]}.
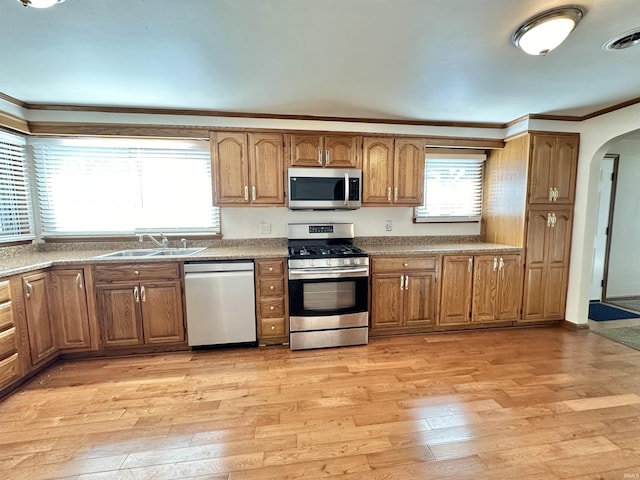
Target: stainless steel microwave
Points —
{"points": [[325, 188]]}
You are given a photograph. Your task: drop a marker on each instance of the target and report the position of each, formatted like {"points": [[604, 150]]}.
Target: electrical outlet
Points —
{"points": [[388, 226], [265, 227]]}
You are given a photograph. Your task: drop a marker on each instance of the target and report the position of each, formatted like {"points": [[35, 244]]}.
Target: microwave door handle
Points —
{"points": [[346, 188]]}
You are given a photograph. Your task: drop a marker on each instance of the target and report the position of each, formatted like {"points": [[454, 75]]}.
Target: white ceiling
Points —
{"points": [[430, 60]]}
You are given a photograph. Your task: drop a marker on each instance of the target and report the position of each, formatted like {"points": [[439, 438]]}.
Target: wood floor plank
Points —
{"points": [[540, 403]]}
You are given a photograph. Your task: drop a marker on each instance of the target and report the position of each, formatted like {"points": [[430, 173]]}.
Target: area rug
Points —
{"points": [[600, 312], [629, 336], [628, 303]]}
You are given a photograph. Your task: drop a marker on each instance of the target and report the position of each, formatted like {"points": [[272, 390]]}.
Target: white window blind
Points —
{"points": [[107, 187], [16, 219], [453, 188]]}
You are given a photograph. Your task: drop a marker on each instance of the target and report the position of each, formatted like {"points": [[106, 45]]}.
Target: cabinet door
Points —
{"points": [[408, 181], [387, 301], [535, 269], [540, 181], [42, 340], [509, 287], [455, 295], [162, 319], [419, 299], [231, 168], [266, 156], [121, 321], [340, 151], [485, 288], [565, 166], [70, 308], [377, 171], [306, 151], [557, 265]]}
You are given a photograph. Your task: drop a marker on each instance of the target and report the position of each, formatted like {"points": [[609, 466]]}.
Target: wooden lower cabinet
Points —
{"points": [[480, 289], [42, 337], [144, 312], [9, 364], [547, 264], [272, 301], [403, 294], [70, 309]]}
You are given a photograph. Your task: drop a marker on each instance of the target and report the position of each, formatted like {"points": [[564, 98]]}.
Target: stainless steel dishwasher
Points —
{"points": [[221, 306]]}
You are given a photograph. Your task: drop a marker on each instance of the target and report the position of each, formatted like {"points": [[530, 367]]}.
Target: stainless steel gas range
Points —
{"points": [[328, 287]]}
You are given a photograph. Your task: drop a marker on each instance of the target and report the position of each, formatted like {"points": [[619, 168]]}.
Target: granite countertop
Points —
{"points": [[26, 262]]}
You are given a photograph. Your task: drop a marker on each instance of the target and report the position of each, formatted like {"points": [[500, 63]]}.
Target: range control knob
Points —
{"points": [[347, 261], [329, 262], [356, 261]]}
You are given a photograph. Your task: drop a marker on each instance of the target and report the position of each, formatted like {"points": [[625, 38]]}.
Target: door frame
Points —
{"points": [[612, 202]]}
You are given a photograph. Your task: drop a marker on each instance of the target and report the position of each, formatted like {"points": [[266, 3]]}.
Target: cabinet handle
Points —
{"points": [[495, 264], [554, 219], [79, 281], [327, 157], [548, 219], [253, 193], [501, 267], [470, 265], [556, 194], [551, 194], [143, 294], [29, 289], [395, 194], [389, 194], [401, 282], [406, 282], [246, 193], [319, 157], [136, 294]]}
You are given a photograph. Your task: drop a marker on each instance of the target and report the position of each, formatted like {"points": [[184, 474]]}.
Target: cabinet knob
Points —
{"points": [[272, 307], [271, 269], [136, 272], [271, 287], [273, 327], [405, 264]]}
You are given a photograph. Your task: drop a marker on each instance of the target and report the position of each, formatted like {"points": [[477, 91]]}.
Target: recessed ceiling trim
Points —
{"points": [[625, 40]]}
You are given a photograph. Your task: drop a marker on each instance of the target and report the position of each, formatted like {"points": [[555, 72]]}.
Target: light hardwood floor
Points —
{"points": [[538, 403]]}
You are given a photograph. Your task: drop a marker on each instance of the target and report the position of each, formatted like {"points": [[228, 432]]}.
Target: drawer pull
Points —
{"points": [[136, 272], [405, 264]]}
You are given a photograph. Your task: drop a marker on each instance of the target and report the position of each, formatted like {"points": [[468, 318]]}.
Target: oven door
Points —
{"points": [[328, 292]]}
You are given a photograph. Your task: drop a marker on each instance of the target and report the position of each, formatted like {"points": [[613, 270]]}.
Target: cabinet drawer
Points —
{"points": [[271, 286], [270, 267], [272, 307], [399, 264], [5, 291], [6, 315], [7, 342], [273, 327], [137, 271], [8, 369]]}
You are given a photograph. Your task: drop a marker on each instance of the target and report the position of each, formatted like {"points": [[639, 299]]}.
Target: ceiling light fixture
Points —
{"points": [[40, 3], [544, 32]]}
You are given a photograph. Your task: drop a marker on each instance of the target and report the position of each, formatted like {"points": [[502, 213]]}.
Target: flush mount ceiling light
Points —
{"points": [[544, 32], [40, 3]]}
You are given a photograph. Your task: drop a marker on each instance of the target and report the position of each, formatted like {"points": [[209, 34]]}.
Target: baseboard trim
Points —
{"points": [[574, 326]]}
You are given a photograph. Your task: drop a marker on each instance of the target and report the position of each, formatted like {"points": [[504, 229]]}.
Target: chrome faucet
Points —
{"points": [[164, 243], [183, 241]]}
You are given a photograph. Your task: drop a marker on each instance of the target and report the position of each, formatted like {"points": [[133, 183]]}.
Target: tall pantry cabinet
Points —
{"points": [[535, 212]]}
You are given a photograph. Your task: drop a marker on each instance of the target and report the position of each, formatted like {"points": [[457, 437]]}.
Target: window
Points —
{"points": [[453, 188], [16, 221], [107, 187]]}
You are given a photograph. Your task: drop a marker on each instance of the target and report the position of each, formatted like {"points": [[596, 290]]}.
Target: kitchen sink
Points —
{"points": [[152, 252]]}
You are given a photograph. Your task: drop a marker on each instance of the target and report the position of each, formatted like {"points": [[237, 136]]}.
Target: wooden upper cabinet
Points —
{"points": [[408, 176], [247, 168], [393, 171], [231, 168], [377, 168], [336, 151], [554, 163], [266, 168]]}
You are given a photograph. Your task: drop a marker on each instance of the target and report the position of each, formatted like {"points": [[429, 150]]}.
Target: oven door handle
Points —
{"points": [[316, 273]]}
